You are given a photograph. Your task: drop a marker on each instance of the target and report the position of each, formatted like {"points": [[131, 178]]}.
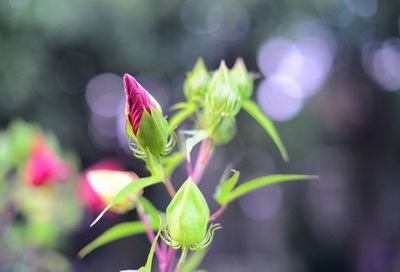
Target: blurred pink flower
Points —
{"points": [[44, 166], [101, 182]]}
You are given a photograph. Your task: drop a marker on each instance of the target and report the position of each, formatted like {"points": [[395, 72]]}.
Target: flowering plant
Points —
{"points": [[38, 204], [215, 99]]}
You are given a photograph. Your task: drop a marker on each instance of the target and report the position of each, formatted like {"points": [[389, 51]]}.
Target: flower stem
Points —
{"points": [[170, 188], [182, 259], [217, 213], [150, 234], [170, 258], [206, 150]]}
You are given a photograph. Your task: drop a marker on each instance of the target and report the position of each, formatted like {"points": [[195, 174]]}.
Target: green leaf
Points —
{"points": [[154, 214], [196, 137], [263, 181], [252, 108], [114, 233], [171, 162], [131, 187], [180, 116], [194, 261], [147, 267], [224, 189]]}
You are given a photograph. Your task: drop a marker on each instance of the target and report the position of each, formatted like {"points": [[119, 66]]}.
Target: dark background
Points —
{"points": [[330, 72]]}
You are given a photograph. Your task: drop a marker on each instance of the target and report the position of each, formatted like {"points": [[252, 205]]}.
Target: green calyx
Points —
{"points": [[153, 133], [223, 98], [187, 216], [224, 130], [242, 79], [196, 82]]}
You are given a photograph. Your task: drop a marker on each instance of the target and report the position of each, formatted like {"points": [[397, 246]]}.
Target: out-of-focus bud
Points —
{"points": [[145, 123], [44, 166], [242, 79], [224, 131], [187, 215], [104, 186], [223, 99], [90, 198], [196, 82]]}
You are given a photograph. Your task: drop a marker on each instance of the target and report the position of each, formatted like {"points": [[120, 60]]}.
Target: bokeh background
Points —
{"points": [[329, 76]]}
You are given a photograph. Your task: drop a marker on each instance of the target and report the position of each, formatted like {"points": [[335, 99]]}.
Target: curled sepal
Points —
{"points": [[187, 219], [223, 98], [242, 78]]}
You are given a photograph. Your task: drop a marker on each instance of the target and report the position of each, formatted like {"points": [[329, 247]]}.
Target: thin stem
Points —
{"points": [[170, 257], [206, 150], [182, 259], [217, 213], [170, 188], [150, 234]]}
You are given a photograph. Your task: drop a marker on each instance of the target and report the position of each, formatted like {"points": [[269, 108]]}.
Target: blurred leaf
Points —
{"points": [[150, 210], [252, 108], [223, 191], [180, 116], [131, 187], [147, 267], [171, 162], [194, 261], [114, 233], [263, 181], [196, 137]]}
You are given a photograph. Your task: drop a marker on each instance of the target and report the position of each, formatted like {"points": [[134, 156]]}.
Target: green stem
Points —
{"points": [[182, 259]]}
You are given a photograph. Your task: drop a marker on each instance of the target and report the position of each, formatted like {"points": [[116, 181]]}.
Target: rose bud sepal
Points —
{"points": [[223, 99], [196, 83], [242, 79]]}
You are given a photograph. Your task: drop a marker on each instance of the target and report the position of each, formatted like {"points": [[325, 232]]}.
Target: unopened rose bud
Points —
{"points": [[196, 82], [187, 215], [223, 99], [242, 79], [145, 123], [107, 183]]}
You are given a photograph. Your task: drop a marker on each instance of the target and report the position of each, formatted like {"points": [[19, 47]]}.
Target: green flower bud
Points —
{"points": [[222, 97], [224, 131], [196, 82], [242, 79], [187, 216]]}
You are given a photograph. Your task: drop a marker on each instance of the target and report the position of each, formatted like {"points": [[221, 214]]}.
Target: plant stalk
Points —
{"points": [[205, 153], [182, 259]]}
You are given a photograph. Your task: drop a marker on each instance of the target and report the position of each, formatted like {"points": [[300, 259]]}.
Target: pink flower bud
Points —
{"points": [[44, 166], [101, 183], [137, 100], [90, 198]]}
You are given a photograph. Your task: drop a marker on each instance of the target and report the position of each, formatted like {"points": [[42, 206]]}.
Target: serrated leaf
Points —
{"points": [[263, 181], [224, 190], [116, 232], [194, 261], [252, 108], [131, 187], [180, 116], [171, 162]]}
